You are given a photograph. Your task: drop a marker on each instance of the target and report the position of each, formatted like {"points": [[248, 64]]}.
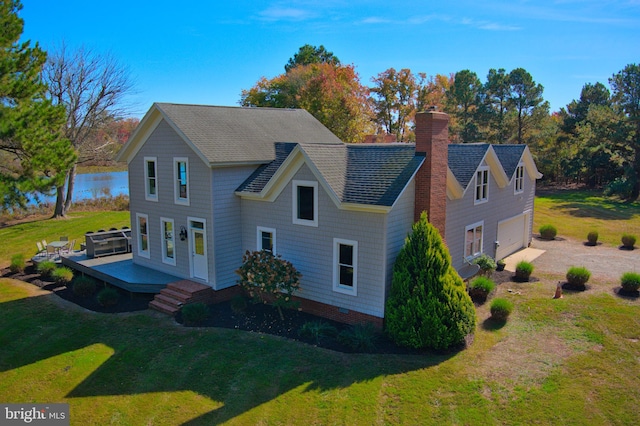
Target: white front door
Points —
{"points": [[198, 249]]}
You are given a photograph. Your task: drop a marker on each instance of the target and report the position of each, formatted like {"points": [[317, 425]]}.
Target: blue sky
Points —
{"points": [[206, 52]]}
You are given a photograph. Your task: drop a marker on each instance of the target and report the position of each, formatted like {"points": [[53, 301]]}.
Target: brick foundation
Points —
{"points": [[335, 313]]}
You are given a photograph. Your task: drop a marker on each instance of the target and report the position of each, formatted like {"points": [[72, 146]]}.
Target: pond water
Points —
{"points": [[96, 185]]}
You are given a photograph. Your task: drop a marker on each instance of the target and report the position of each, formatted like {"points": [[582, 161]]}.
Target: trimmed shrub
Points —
{"points": [[628, 241], [62, 275], [548, 232], [359, 337], [18, 263], [46, 268], [523, 271], [630, 282], [428, 305], [577, 277], [195, 313], [486, 263], [480, 288], [316, 330], [108, 297], [592, 238], [501, 309], [83, 286]]}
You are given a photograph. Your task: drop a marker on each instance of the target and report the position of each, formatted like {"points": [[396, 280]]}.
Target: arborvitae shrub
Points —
{"points": [[428, 305], [577, 277], [548, 232]]}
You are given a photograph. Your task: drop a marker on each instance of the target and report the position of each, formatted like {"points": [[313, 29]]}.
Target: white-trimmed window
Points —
{"points": [[266, 239], [482, 185], [305, 202], [473, 240], [181, 180], [150, 178], [142, 233], [345, 266], [168, 241], [519, 180]]}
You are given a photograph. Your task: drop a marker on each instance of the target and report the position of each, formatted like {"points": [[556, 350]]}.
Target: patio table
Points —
{"points": [[58, 245]]}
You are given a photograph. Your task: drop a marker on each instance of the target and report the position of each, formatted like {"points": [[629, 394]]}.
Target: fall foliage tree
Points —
{"points": [[393, 97]]}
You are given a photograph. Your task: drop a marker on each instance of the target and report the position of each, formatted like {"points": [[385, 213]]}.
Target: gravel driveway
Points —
{"points": [[604, 262]]}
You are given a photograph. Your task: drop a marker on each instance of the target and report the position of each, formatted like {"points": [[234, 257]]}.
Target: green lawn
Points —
{"points": [[575, 213], [574, 360]]}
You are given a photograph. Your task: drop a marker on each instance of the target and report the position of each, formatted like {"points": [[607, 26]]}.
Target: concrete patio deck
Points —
{"points": [[120, 271]]}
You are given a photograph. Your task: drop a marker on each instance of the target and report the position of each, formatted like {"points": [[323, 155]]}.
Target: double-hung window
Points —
{"points": [[345, 266], [181, 179], [142, 233], [482, 185], [305, 202], [519, 180], [266, 239], [168, 241], [150, 178], [473, 240]]}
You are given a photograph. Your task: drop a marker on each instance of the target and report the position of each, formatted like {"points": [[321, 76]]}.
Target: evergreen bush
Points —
{"points": [[592, 238], [428, 305], [108, 297], [548, 232], [523, 271], [18, 263], [83, 286], [577, 277], [194, 313]]}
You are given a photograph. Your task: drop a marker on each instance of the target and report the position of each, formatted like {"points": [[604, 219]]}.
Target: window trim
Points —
{"points": [[481, 171], [176, 185], [518, 187], [337, 286], [165, 258], [147, 187], [296, 220], [259, 231], [480, 250], [142, 253]]}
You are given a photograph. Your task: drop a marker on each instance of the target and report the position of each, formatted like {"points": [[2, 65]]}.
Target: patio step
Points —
{"points": [[179, 293]]}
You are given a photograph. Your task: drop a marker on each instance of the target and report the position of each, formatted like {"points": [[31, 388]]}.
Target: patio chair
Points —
{"points": [[69, 248], [44, 243], [52, 252], [41, 250]]}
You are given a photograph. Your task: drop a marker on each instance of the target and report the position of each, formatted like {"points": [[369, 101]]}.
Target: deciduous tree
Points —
{"points": [[393, 100]]}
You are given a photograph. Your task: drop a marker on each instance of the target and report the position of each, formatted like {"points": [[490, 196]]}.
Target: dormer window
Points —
{"points": [[305, 203], [519, 179], [482, 185]]}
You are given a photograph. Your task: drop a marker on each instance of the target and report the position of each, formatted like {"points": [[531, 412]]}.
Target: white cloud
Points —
{"points": [[285, 14]]}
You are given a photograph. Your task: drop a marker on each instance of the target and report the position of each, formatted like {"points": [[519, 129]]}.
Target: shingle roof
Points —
{"points": [[464, 160], [244, 135], [356, 173], [509, 156]]}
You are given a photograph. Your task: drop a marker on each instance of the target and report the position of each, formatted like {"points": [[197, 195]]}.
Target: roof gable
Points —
{"points": [[464, 160], [231, 135]]}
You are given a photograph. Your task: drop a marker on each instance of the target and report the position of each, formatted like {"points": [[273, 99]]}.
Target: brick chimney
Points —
{"points": [[432, 139]]}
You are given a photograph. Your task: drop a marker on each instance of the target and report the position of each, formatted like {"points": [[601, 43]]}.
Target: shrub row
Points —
{"points": [[549, 232]]}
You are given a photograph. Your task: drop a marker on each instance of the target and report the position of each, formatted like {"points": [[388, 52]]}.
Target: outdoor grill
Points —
{"points": [[107, 243]]}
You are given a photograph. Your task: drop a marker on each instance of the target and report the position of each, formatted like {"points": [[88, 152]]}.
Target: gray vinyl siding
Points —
{"points": [[399, 225], [165, 144], [502, 204], [227, 223], [310, 249]]}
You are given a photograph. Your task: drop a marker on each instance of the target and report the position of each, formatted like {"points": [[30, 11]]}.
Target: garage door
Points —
{"points": [[512, 235]]}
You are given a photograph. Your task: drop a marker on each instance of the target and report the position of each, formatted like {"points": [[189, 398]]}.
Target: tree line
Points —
{"points": [[594, 140]]}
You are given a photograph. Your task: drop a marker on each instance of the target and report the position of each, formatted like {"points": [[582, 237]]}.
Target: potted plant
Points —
{"points": [[500, 264]]}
